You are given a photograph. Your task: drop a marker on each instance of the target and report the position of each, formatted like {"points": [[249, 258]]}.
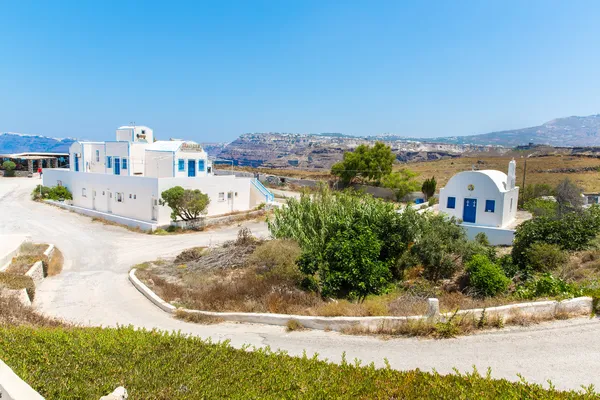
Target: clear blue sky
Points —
{"points": [[211, 71]]}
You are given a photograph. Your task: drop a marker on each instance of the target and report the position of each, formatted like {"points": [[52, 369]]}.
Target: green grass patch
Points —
{"points": [[86, 363]]}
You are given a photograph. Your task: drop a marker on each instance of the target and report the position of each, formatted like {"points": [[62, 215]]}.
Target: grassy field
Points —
{"points": [[537, 168]]}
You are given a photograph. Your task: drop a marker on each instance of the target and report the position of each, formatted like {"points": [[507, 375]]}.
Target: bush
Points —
{"points": [[572, 231], [185, 204], [485, 277], [159, 365], [535, 191], [428, 187], [506, 263], [544, 257], [541, 207], [40, 192], [9, 168], [547, 285], [52, 193], [278, 258]]}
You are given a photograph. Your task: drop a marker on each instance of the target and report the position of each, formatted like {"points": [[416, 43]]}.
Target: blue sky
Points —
{"points": [[210, 71]]}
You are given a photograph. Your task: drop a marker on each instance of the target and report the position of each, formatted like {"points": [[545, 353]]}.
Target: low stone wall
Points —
{"points": [[36, 272], [14, 388], [581, 305], [19, 294]]}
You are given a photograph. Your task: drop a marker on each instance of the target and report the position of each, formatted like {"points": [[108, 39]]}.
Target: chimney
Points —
{"points": [[512, 175]]}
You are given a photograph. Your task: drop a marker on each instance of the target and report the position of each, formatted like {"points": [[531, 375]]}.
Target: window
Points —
{"points": [[490, 206], [108, 162], [124, 163], [451, 202], [229, 195], [134, 197], [200, 165], [181, 164], [119, 197], [83, 192], [129, 195], [221, 196], [97, 155], [235, 194], [58, 183], [103, 193]]}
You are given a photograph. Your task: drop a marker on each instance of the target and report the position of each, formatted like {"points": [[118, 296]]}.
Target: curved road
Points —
{"points": [[93, 289]]}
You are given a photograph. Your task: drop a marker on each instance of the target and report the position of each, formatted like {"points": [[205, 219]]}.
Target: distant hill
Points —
{"points": [[561, 132], [19, 143]]}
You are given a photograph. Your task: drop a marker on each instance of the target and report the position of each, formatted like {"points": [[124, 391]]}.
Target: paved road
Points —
{"points": [[93, 289]]}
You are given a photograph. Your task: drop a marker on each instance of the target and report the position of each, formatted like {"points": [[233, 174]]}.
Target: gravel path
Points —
{"points": [[93, 290]]}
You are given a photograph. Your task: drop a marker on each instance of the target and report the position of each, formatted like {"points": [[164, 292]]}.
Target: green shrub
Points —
{"points": [[87, 363], [278, 257], [573, 231], [485, 277], [53, 193], [544, 257], [541, 207], [506, 263], [428, 187], [547, 285], [432, 200], [9, 168], [40, 192]]}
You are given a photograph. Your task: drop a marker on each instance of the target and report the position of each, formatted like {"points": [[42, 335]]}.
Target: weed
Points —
{"points": [[197, 318], [293, 325]]}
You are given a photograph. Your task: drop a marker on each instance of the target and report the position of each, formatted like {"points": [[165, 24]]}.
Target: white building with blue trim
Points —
{"points": [[125, 178], [484, 201]]}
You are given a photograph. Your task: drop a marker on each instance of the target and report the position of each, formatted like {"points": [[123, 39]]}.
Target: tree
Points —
{"points": [[401, 182], [185, 204], [368, 163], [568, 197], [428, 187], [541, 207], [535, 191], [9, 168]]}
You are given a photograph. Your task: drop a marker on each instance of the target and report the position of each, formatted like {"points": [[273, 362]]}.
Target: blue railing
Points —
{"points": [[262, 189]]}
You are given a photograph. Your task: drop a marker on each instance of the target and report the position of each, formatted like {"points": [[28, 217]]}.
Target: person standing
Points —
{"points": [[40, 172]]}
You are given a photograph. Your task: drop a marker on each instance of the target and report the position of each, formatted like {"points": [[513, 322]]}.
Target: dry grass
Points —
{"points": [[197, 318], [443, 170], [294, 325], [29, 254], [12, 312], [112, 223], [55, 265]]}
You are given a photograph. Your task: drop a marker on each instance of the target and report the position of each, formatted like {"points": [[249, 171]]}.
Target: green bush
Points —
{"points": [[485, 277], [87, 363], [40, 192], [544, 257], [547, 285], [541, 208], [278, 258], [9, 168], [573, 231], [506, 263]]}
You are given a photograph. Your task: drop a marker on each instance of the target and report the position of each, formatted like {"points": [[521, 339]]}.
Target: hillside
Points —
{"points": [[561, 132], [18, 143]]}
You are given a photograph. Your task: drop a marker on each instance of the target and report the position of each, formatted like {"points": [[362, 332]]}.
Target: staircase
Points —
{"points": [[269, 197]]}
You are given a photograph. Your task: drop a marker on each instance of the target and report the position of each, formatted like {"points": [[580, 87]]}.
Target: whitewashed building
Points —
{"points": [[123, 180], [485, 201]]}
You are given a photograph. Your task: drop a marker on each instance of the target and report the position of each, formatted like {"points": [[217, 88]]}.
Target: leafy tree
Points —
{"points": [[401, 182], [9, 168], [485, 277], [541, 207], [368, 163], [184, 203], [568, 197], [428, 187]]}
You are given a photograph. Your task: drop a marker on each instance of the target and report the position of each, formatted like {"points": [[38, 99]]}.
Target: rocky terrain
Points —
{"points": [[282, 150]]}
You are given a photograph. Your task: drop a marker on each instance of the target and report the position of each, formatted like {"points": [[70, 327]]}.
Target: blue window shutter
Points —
{"points": [[123, 163], [451, 202], [181, 164], [200, 165], [108, 162], [490, 205]]}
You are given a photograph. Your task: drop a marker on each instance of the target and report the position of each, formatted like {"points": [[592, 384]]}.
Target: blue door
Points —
{"points": [[470, 210], [117, 169], [76, 161], [191, 167]]}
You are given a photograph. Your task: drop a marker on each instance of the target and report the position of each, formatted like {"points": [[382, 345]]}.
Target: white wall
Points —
{"points": [[137, 153], [496, 236], [159, 164], [484, 189], [96, 164], [186, 156], [212, 186], [118, 150]]}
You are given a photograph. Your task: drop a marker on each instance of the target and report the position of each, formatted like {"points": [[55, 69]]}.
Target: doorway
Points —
{"points": [[191, 168], [109, 202], [117, 166], [470, 210]]}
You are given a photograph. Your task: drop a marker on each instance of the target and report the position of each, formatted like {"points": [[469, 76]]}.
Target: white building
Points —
{"points": [[482, 199], [124, 179]]}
